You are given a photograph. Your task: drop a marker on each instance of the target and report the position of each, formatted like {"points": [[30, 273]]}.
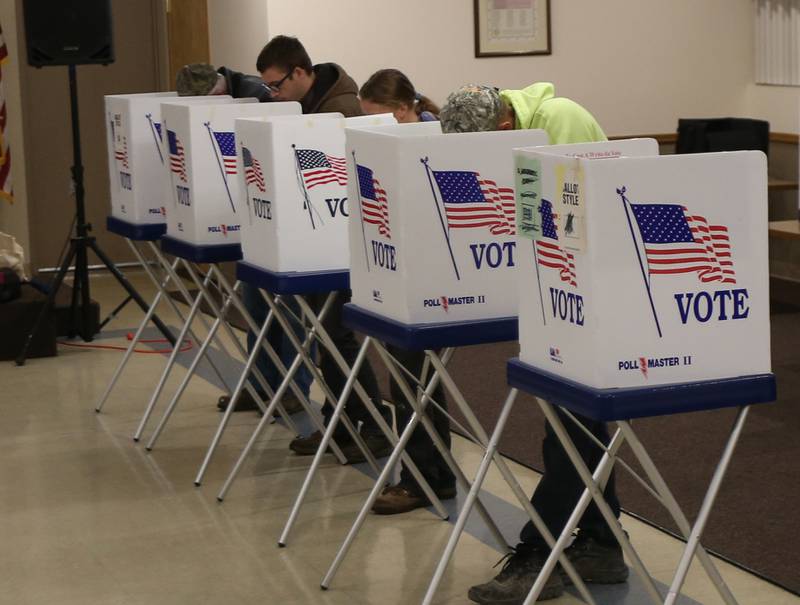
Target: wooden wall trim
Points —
{"points": [[668, 138]]}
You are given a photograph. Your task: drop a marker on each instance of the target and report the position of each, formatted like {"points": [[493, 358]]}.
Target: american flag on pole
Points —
{"points": [[121, 154], [6, 188], [549, 252], [252, 170], [177, 155], [374, 204], [470, 202], [227, 148], [676, 241], [319, 168], [157, 126]]}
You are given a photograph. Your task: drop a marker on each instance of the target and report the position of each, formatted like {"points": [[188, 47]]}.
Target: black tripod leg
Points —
{"points": [[86, 327], [132, 291], [115, 312], [48, 303]]}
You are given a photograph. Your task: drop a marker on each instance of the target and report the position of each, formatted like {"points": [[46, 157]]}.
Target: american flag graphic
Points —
{"points": [[548, 250], [252, 170], [6, 188], [470, 202], [319, 168], [227, 147], [177, 156], [374, 204], [157, 126], [121, 154], [676, 241]]}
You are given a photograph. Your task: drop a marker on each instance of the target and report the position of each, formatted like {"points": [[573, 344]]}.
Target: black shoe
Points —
{"points": [[377, 444], [306, 446], [512, 585], [245, 403], [596, 562], [290, 403]]}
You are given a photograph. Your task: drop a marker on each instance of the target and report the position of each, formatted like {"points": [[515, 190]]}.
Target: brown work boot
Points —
{"points": [[306, 446], [396, 499]]}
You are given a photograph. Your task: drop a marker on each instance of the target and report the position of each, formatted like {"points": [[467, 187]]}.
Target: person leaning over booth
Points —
{"points": [[288, 73], [595, 553], [390, 91], [200, 79]]}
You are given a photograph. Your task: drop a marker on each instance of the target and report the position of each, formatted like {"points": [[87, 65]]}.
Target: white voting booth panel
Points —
{"points": [[432, 222], [135, 158], [293, 180], [165, 176], [202, 167], [643, 270]]}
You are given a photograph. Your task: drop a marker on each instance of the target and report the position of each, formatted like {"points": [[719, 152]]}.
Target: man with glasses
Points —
{"points": [[287, 70], [289, 75]]}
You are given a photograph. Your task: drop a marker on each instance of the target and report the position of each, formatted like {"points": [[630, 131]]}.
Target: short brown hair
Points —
{"points": [[285, 53], [391, 87]]}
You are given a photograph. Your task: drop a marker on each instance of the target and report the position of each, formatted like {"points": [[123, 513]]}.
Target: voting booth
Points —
{"points": [[638, 271], [201, 169], [293, 184], [643, 292], [135, 159], [432, 222]]}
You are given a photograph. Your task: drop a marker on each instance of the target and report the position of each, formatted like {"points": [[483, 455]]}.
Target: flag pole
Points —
{"points": [[441, 220], [538, 280], [149, 117], [621, 191], [306, 199], [219, 163], [360, 210]]}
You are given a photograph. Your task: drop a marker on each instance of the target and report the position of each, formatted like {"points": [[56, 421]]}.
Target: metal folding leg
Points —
{"points": [[491, 455], [674, 509], [161, 285], [602, 505], [318, 332], [419, 416], [383, 478]]}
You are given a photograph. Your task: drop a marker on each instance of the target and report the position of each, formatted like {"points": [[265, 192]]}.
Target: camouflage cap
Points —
{"points": [[471, 108], [196, 79]]}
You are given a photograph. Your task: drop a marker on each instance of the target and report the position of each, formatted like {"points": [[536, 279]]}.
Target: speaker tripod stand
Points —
{"points": [[80, 243]]}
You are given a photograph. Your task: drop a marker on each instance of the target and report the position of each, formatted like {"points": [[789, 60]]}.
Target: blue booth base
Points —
{"points": [[217, 253], [417, 337], [640, 402], [292, 282], [144, 232]]}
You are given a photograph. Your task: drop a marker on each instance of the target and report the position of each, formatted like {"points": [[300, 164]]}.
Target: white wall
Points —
{"points": [[638, 66], [780, 105], [14, 217], [237, 33]]}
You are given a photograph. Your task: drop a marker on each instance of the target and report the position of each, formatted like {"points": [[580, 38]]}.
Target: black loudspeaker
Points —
{"points": [[68, 32]]}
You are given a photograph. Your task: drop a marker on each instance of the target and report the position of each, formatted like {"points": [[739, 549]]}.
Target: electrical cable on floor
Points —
{"points": [[186, 346]]}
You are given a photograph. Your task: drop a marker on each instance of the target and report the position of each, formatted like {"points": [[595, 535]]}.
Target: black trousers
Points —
{"points": [[345, 340], [560, 487], [420, 447]]}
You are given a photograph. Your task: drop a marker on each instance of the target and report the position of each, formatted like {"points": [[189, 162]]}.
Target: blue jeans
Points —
{"points": [[277, 339]]}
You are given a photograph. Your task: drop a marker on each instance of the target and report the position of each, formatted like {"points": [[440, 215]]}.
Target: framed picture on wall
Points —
{"points": [[505, 28]]}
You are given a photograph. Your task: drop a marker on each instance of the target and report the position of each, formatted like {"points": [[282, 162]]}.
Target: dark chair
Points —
{"points": [[722, 134]]}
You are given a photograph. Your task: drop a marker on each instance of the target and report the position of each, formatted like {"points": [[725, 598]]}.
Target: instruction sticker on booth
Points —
{"points": [[527, 174], [571, 206]]}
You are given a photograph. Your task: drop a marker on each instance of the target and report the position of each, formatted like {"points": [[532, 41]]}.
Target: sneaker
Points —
{"points": [[596, 562], [396, 499], [245, 403], [515, 580]]}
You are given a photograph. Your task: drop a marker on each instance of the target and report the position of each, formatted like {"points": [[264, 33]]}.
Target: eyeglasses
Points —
{"points": [[275, 87]]}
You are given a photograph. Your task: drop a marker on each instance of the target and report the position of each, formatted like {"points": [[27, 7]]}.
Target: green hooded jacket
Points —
{"points": [[562, 119]]}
